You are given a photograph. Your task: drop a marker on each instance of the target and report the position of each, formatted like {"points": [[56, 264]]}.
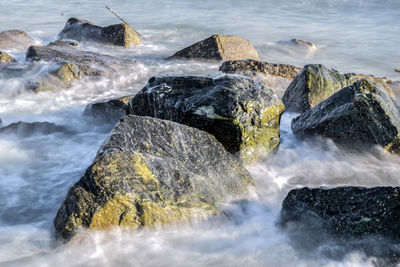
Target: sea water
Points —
{"points": [[359, 36]]}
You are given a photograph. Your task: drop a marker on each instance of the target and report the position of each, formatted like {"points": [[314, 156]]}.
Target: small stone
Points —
{"points": [[5, 58]]}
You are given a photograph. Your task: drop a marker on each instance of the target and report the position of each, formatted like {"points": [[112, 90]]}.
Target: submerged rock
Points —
{"points": [[219, 47], [356, 217], [15, 39], [152, 172], [275, 76], [239, 111], [304, 43], [118, 34], [397, 70], [5, 58], [108, 111], [362, 113], [315, 83], [25, 129]]}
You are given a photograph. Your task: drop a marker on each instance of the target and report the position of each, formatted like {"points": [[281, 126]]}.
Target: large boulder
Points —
{"points": [[15, 39], [152, 172], [118, 34], [362, 113], [240, 112], [275, 76], [5, 58], [107, 111], [219, 47], [315, 83], [356, 218]]}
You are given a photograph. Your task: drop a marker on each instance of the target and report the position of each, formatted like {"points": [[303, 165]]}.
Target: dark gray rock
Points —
{"points": [[25, 129], [152, 172], [362, 113], [118, 34], [356, 218], [239, 111], [15, 39], [107, 111], [219, 47], [315, 83]]}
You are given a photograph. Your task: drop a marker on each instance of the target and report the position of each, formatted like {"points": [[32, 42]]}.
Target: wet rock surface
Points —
{"points": [[25, 129], [219, 47], [240, 112], [107, 111], [315, 83], [362, 113], [5, 58], [15, 39], [152, 172], [357, 218], [118, 34]]}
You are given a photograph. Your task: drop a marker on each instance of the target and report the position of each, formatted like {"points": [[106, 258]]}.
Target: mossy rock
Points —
{"points": [[118, 34], [240, 112], [360, 114], [152, 172], [219, 47], [315, 83], [107, 111], [15, 39], [5, 58]]}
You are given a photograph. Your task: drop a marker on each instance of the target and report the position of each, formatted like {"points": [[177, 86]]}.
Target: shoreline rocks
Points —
{"points": [[108, 111], [25, 129], [15, 39], [5, 58], [118, 34], [362, 113], [219, 47], [315, 83], [152, 172], [240, 112]]}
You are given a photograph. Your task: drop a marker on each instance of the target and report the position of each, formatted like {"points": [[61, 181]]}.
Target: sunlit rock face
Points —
{"points": [[152, 172]]}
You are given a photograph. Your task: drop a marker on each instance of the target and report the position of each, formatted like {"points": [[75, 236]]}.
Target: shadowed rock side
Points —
{"points": [[5, 58], [315, 83], [275, 76], [239, 111], [15, 39], [358, 217], [219, 47], [118, 34], [108, 111], [25, 129], [152, 172], [362, 113]]}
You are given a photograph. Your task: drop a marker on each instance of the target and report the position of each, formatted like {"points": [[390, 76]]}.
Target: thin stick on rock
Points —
{"points": [[115, 14]]}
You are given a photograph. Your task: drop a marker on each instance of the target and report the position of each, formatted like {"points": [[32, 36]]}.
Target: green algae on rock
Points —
{"points": [[315, 83], [107, 111], [219, 47], [152, 172], [5, 58], [15, 39], [240, 112], [119, 34], [362, 113]]}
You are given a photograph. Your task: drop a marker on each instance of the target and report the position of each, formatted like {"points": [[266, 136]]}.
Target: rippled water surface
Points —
{"points": [[36, 171]]}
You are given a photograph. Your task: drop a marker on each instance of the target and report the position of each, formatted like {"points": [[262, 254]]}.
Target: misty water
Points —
{"points": [[36, 171]]}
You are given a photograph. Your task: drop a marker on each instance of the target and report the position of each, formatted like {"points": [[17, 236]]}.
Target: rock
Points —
{"points": [[275, 76], [5, 58], [61, 75], [239, 111], [118, 34], [219, 47], [24, 129], [152, 172], [108, 111], [299, 42], [15, 39], [315, 83], [397, 70], [90, 63], [362, 113], [358, 218]]}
